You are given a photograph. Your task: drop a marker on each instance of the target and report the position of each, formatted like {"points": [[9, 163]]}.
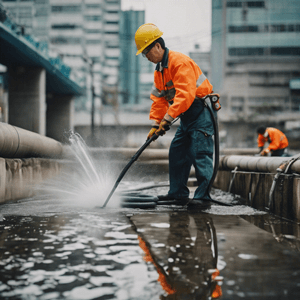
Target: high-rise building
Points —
{"points": [[136, 72], [87, 34], [255, 54]]}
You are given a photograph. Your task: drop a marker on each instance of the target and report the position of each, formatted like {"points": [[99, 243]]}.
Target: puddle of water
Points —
{"points": [[82, 256], [59, 246], [145, 255]]}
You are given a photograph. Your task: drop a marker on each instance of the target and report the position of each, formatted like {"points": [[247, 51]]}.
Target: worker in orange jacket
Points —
{"points": [[276, 139], [178, 86]]}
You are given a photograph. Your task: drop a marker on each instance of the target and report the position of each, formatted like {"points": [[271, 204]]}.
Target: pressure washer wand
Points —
{"points": [[133, 159]]}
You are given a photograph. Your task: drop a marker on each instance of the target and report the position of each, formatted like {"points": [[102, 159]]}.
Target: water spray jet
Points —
{"points": [[133, 159]]}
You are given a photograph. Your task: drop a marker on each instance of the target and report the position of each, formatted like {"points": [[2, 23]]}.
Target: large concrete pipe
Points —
{"points": [[16, 142], [257, 164], [239, 151], [126, 153]]}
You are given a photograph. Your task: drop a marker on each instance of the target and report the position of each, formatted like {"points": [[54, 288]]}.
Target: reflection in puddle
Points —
{"points": [[74, 257], [136, 254], [187, 266]]}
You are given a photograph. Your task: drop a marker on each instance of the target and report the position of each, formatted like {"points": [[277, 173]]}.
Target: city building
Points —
{"points": [[84, 33], [136, 72], [255, 54], [202, 59]]}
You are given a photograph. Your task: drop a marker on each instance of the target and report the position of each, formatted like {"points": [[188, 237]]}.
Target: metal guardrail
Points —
{"points": [[41, 47]]}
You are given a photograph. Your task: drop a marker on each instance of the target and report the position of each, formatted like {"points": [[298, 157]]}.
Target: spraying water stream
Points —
{"points": [[82, 178], [85, 178]]}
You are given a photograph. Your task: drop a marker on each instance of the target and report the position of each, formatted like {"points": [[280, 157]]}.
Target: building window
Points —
{"points": [[285, 51], [66, 8], [234, 4], [264, 28], [88, 30], [112, 46], [288, 51], [245, 51], [244, 28], [61, 40], [64, 26], [111, 32], [92, 18], [95, 59], [93, 6], [256, 4], [250, 4], [93, 42], [295, 104], [112, 22]]}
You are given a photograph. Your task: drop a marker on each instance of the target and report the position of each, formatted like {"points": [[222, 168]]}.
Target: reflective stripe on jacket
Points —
{"points": [[177, 81], [277, 138]]}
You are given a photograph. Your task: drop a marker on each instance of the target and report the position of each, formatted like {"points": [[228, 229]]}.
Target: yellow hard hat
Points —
{"points": [[145, 35]]}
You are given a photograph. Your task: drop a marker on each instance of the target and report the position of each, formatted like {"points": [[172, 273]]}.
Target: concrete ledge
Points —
{"points": [[18, 177], [255, 187]]}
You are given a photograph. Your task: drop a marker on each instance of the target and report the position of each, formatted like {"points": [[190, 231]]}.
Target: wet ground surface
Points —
{"points": [[53, 249]]}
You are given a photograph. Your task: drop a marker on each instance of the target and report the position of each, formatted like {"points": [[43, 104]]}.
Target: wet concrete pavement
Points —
{"points": [[51, 249]]}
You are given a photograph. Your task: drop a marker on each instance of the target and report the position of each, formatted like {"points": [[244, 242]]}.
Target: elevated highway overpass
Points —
{"points": [[39, 91]]}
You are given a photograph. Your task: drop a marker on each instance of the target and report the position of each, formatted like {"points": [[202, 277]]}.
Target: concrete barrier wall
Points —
{"points": [[18, 177], [254, 188]]}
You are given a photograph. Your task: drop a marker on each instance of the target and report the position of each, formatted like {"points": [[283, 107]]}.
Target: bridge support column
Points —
{"points": [[27, 98], [60, 116]]}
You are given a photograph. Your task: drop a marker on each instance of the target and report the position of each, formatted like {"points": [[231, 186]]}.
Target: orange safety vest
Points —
{"points": [[177, 81], [277, 138]]}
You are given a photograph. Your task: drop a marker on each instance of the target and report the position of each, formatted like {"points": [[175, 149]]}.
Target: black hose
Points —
{"points": [[139, 198], [138, 204], [217, 150], [133, 159]]}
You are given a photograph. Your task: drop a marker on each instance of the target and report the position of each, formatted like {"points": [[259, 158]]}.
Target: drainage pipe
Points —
{"points": [[256, 164], [16, 142], [281, 170]]}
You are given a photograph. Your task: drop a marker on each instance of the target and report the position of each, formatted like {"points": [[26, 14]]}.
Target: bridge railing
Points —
{"points": [[40, 46]]}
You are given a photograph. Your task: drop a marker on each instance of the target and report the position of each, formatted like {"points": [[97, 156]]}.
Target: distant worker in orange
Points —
{"points": [[277, 140]]}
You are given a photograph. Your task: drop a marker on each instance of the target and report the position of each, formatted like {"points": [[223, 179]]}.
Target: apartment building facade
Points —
{"points": [[255, 54], [84, 33], [136, 72]]}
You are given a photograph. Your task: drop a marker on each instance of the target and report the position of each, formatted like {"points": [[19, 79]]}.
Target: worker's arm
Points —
{"points": [[160, 105], [260, 141]]}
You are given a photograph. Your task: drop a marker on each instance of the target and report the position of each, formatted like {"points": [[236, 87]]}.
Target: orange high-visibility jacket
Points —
{"points": [[177, 81], [277, 138]]}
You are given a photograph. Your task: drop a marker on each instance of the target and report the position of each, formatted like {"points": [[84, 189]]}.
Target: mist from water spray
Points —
{"points": [[82, 182]]}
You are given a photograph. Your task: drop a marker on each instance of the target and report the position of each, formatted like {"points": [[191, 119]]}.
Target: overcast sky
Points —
{"points": [[184, 22]]}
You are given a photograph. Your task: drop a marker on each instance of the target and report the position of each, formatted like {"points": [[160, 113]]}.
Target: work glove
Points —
{"points": [[163, 127], [152, 131], [265, 152]]}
